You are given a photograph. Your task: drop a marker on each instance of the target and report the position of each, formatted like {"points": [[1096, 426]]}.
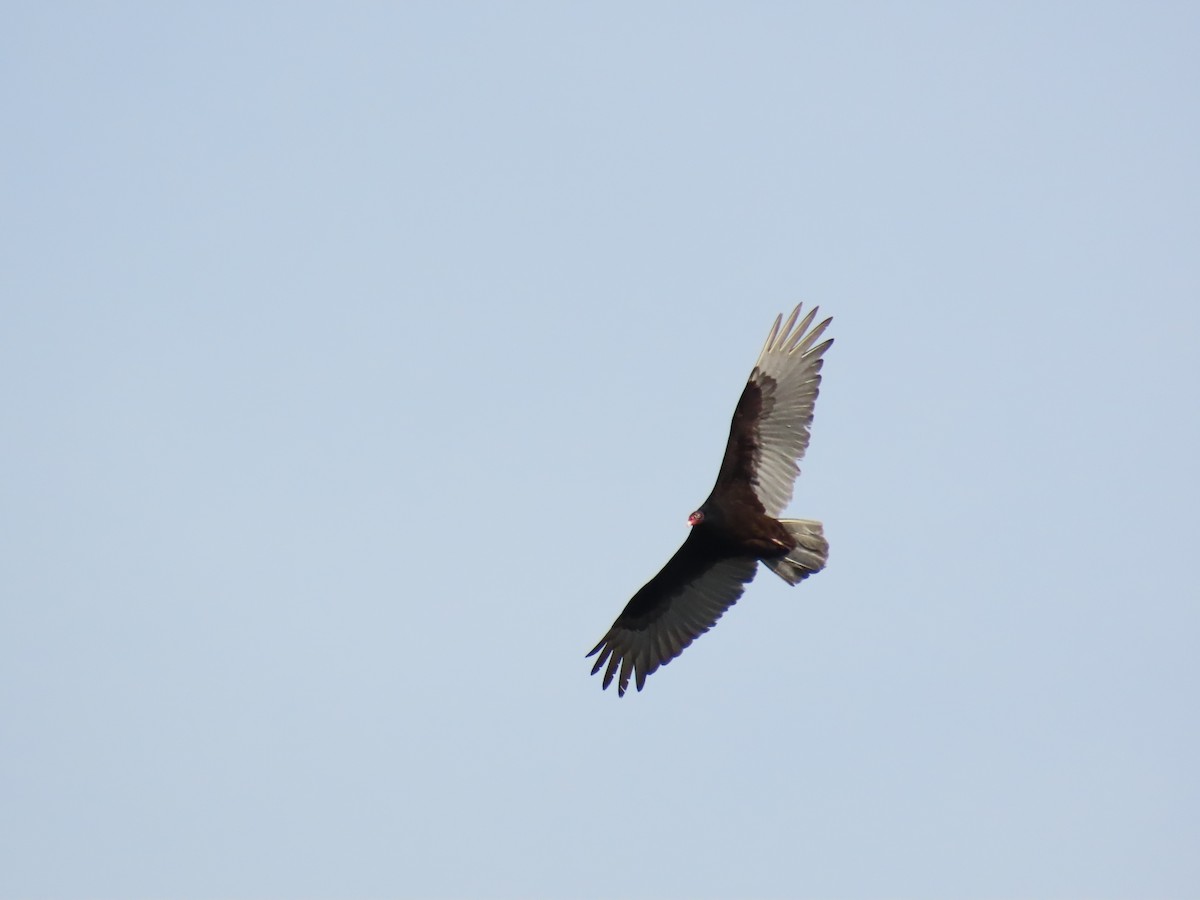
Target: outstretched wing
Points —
{"points": [[770, 426], [675, 607]]}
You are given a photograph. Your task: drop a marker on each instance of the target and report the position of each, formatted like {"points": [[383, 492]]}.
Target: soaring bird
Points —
{"points": [[737, 527]]}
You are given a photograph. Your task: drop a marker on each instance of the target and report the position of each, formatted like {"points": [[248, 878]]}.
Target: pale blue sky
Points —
{"points": [[360, 361]]}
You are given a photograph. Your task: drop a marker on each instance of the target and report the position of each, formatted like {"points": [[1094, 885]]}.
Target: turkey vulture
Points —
{"points": [[736, 527]]}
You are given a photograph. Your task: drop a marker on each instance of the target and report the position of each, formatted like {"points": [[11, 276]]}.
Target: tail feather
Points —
{"points": [[808, 556]]}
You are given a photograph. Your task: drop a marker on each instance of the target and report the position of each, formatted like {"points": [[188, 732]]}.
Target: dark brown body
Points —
{"points": [[733, 512]]}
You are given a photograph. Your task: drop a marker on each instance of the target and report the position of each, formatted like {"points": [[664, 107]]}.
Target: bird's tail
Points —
{"points": [[808, 556]]}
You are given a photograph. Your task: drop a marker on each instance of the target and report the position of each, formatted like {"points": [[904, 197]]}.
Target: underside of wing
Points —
{"points": [[770, 428], [674, 608]]}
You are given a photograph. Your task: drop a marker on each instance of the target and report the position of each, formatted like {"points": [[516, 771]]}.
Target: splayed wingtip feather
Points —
{"points": [[794, 337]]}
